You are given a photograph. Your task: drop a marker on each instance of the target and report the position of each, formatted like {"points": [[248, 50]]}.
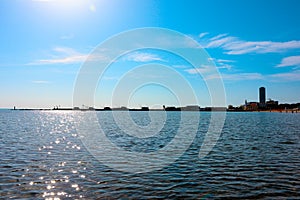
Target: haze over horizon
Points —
{"points": [[45, 42]]}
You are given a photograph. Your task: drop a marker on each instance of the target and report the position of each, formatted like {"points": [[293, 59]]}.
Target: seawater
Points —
{"points": [[43, 157]]}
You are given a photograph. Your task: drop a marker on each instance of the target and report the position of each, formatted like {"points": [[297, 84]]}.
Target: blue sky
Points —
{"points": [[45, 42]]}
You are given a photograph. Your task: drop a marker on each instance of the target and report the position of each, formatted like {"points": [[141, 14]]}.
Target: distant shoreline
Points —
{"points": [[144, 110]]}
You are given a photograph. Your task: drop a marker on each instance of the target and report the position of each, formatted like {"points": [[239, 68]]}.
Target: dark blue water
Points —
{"points": [[43, 157]]}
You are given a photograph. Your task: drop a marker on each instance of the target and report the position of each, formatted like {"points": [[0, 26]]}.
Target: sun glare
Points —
{"points": [[69, 6]]}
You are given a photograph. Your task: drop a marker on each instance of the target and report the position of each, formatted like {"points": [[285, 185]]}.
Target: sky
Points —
{"points": [[44, 44]]}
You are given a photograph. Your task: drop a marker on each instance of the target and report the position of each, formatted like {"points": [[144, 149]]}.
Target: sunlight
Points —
{"points": [[69, 6]]}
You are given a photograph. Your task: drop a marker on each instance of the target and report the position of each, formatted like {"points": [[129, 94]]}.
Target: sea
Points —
{"points": [[46, 155]]}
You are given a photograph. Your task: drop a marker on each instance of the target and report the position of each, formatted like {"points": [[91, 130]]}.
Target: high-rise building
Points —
{"points": [[262, 96]]}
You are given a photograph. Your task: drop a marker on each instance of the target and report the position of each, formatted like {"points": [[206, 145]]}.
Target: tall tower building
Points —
{"points": [[262, 96]]}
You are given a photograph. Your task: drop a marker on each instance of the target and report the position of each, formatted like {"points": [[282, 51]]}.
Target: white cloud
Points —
{"points": [[242, 76], [66, 60], [290, 61], [235, 77], [180, 66], [231, 77], [219, 64], [201, 35], [219, 42], [220, 60], [288, 76], [195, 70], [236, 46], [225, 66], [218, 36], [40, 82], [224, 61], [64, 55], [143, 57], [279, 77], [200, 70]]}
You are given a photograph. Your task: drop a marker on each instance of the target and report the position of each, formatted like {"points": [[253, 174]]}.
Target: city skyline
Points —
{"points": [[45, 42], [262, 103]]}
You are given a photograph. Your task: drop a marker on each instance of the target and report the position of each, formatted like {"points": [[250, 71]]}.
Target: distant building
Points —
{"points": [[172, 108], [272, 104], [191, 108], [145, 108], [122, 108], [262, 97], [205, 109], [218, 108], [251, 106], [212, 109]]}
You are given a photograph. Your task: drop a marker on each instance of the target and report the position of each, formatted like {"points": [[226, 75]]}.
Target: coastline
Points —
{"points": [[177, 110]]}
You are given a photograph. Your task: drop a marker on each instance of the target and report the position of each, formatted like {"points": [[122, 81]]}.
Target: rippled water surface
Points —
{"points": [[43, 157]]}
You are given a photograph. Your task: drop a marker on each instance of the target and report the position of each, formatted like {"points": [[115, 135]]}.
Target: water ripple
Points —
{"points": [[256, 157]]}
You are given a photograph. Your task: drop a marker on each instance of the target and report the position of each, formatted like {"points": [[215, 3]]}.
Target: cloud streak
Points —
{"points": [[201, 35], [204, 69], [242, 76], [143, 57], [236, 46], [290, 61], [288, 76], [40, 82], [223, 63], [64, 55], [277, 77]]}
